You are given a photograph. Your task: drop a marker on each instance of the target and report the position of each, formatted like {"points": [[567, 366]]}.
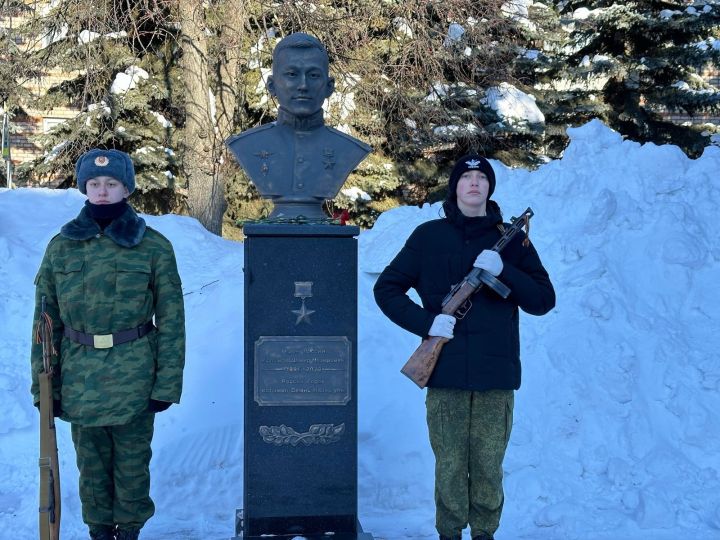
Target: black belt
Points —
{"points": [[105, 341]]}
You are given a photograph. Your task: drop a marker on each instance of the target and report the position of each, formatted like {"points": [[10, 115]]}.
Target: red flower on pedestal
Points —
{"points": [[343, 216]]}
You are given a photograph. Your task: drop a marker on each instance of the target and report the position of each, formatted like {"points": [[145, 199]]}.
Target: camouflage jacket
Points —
{"points": [[101, 282]]}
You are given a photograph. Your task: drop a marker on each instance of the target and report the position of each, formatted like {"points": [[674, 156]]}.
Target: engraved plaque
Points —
{"points": [[307, 370]]}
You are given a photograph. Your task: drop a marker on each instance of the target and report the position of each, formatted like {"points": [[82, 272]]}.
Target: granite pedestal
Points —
{"points": [[300, 437]]}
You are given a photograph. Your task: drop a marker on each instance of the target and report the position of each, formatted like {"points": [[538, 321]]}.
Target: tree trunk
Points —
{"points": [[233, 18], [230, 39], [206, 188]]}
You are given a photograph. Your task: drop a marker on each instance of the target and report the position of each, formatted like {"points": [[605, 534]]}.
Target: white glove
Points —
{"points": [[490, 261], [442, 326]]}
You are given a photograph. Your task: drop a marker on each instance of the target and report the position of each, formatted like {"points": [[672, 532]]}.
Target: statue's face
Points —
{"points": [[300, 80]]}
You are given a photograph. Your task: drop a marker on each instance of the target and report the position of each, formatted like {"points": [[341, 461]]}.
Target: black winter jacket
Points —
{"points": [[484, 353]]}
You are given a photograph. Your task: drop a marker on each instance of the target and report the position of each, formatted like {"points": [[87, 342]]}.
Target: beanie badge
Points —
{"points": [[102, 161], [473, 164]]}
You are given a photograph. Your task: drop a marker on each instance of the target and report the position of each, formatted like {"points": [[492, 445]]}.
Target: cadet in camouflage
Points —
{"points": [[471, 391], [114, 294]]}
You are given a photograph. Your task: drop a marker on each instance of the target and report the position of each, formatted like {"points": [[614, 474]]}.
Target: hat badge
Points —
{"points": [[473, 164], [101, 161]]}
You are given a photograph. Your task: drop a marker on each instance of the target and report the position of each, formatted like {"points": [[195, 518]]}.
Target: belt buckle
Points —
{"points": [[103, 341]]}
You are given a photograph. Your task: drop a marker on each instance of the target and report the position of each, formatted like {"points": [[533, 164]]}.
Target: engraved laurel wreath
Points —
{"points": [[317, 434]]}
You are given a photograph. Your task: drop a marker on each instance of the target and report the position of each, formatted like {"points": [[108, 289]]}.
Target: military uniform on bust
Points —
{"points": [[297, 161], [114, 295], [278, 156]]}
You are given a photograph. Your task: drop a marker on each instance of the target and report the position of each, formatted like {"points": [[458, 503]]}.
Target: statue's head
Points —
{"points": [[300, 79]]}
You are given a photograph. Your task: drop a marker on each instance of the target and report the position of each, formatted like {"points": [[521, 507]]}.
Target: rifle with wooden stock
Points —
{"points": [[457, 303], [49, 466]]}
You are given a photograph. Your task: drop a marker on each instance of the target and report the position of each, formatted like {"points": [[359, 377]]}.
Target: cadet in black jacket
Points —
{"points": [[471, 392]]}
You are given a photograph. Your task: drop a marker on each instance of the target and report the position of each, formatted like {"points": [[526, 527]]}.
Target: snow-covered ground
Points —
{"points": [[616, 434]]}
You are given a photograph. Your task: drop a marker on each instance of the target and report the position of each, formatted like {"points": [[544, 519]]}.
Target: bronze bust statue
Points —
{"points": [[298, 161]]}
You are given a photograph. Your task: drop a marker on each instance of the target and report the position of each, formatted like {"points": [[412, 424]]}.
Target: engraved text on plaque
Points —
{"points": [[305, 370]]}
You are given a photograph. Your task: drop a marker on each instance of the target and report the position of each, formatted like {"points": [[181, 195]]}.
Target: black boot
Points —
{"points": [[102, 533], [443, 537], [127, 534], [482, 537]]}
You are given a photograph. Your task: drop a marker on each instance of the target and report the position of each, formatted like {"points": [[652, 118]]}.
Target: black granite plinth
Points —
{"points": [[300, 461]]}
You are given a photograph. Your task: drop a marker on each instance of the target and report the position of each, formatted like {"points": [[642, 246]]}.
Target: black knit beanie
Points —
{"points": [[468, 163]]}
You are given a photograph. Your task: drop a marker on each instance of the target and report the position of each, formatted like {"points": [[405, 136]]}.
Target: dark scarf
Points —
{"points": [[300, 123], [126, 230], [104, 214]]}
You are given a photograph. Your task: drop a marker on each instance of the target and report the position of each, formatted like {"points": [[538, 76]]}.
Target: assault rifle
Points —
{"points": [[49, 466], [457, 303]]}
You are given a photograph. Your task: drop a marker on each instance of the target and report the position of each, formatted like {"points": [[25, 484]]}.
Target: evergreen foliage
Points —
{"points": [[419, 80], [121, 75], [15, 69], [541, 59], [629, 63]]}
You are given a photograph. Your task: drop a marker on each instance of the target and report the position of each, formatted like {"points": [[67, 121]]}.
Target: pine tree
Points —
{"points": [[122, 77], [15, 70], [631, 64], [541, 56]]}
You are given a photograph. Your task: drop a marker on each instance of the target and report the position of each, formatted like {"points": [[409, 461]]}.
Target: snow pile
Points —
{"points": [[519, 11], [513, 105], [164, 122], [616, 431], [129, 79], [402, 27], [355, 193]]}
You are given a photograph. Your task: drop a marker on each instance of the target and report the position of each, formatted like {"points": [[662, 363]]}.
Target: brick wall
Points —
{"points": [[26, 129], [712, 76]]}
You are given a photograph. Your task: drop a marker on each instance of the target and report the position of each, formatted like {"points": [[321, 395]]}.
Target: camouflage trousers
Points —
{"points": [[114, 464], [469, 433]]}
